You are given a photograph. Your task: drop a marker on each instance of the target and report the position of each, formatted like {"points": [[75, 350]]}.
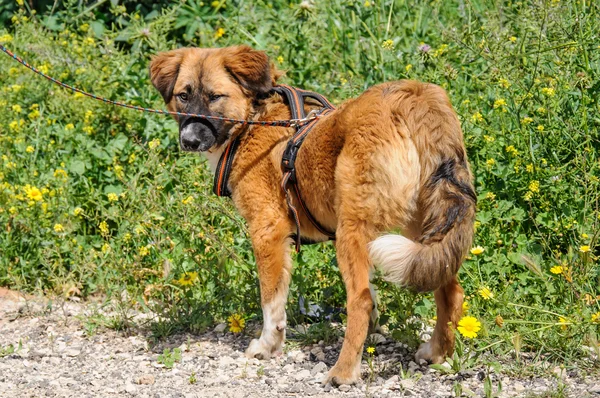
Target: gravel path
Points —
{"points": [[58, 359]]}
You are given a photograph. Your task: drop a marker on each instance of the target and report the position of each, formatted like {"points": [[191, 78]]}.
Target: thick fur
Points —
{"points": [[392, 159]]}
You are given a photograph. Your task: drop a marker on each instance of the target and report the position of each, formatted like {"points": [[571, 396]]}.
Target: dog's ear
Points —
{"points": [[164, 69], [250, 68]]}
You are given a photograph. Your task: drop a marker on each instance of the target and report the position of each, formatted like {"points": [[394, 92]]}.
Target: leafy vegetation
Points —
{"points": [[98, 200]]}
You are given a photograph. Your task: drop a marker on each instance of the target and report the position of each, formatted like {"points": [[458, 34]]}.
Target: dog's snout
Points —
{"points": [[190, 143]]}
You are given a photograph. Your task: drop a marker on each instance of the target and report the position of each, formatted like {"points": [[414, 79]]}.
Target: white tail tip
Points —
{"points": [[392, 254]]}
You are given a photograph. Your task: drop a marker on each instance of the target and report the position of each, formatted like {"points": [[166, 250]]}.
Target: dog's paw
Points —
{"points": [[338, 376], [425, 352], [257, 349]]}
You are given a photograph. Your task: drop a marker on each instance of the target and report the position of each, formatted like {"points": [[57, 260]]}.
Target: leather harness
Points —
{"points": [[295, 98]]}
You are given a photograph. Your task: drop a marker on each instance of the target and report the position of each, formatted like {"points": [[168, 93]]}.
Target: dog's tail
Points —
{"points": [[446, 202]]}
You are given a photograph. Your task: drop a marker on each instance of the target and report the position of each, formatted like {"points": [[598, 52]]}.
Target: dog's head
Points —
{"points": [[223, 82]]}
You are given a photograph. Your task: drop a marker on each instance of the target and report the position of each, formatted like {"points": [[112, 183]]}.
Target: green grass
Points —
{"points": [[116, 220]]}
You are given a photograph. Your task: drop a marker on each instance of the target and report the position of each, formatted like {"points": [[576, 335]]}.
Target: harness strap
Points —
{"points": [[289, 178], [221, 181]]}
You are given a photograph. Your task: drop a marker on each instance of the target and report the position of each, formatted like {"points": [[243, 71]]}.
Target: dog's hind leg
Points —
{"points": [[448, 300], [272, 251], [353, 260]]}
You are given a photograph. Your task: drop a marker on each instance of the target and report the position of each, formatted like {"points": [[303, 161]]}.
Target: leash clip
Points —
{"points": [[312, 115]]}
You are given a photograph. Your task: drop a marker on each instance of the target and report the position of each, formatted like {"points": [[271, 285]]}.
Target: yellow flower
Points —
{"points": [[29, 149], [105, 248], [132, 158], [154, 143], [408, 67], [187, 200], [17, 108], [367, 3], [388, 44], [512, 39], [548, 91], [534, 186], [6, 38], [33, 193], [477, 250], [512, 150], [112, 197], [557, 269], [485, 293], [527, 120], [563, 322], [504, 83], [215, 4], [371, 350], [595, 317], [529, 168], [490, 196], [60, 173], [280, 59], [103, 226], [58, 228], [584, 248], [78, 211], [219, 33], [465, 306], [499, 103], [69, 127], [468, 326], [490, 162], [236, 323], [477, 117], [143, 251], [188, 279], [540, 128]]}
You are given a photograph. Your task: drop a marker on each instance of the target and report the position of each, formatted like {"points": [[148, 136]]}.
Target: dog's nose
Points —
{"points": [[190, 143]]}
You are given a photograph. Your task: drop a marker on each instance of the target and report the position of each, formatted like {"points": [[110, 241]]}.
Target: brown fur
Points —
{"points": [[392, 158]]}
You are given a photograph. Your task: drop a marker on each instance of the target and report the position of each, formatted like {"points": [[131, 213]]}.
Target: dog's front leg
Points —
{"points": [[354, 263], [272, 251]]}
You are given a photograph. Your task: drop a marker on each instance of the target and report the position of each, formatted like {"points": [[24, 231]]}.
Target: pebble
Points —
{"points": [[320, 367], [303, 374], [345, 388], [145, 379], [220, 328]]}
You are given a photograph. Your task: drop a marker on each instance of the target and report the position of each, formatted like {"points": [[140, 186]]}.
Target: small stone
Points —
{"points": [[321, 367], [561, 373], [519, 387], [327, 387], [130, 388], [595, 389], [145, 379], [220, 328], [389, 383], [407, 383], [412, 366], [303, 374], [422, 362], [226, 361], [377, 338], [344, 388]]}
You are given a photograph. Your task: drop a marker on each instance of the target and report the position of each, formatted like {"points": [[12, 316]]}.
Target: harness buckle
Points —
{"points": [[288, 159]]}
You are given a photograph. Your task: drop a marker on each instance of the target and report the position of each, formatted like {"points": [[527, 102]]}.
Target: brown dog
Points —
{"points": [[391, 159]]}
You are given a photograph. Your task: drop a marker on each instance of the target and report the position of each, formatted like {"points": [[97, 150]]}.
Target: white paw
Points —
{"points": [[257, 349], [425, 352]]}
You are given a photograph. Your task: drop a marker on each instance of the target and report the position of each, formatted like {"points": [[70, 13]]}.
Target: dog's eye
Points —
{"points": [[183, 96], [214, 97]]}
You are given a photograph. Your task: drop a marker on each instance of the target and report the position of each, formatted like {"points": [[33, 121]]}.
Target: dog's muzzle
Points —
{"points": [[197, 136]]}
